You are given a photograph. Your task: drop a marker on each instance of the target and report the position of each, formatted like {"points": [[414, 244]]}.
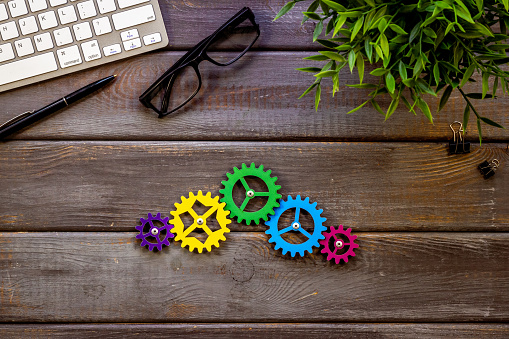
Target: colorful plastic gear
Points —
{"points": [[200, 221], [239, 212], [312, 240], [154, 232], [339, 244]]}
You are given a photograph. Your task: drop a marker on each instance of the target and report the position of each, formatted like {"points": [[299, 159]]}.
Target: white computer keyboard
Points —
{"points": [[43, 39]]}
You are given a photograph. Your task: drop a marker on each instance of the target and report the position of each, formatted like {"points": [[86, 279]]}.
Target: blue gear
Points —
{"points": [[312, 241]]}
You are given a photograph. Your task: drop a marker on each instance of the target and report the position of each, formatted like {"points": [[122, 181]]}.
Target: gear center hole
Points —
{"points": [[294, 236], [240, 194], [147, 228], [343, 239]]}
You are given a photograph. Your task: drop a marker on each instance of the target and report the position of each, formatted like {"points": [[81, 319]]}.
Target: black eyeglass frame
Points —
{"points": [[193, 58]]}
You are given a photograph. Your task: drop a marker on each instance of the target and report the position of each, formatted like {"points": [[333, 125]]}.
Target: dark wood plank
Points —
{"points": [[255, 330], [368, 186], [108, 277], [253, 99], [187, 23]]}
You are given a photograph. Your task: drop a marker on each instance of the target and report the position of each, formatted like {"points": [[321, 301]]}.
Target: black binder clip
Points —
{"points": [[488, 168], [458, 145]]}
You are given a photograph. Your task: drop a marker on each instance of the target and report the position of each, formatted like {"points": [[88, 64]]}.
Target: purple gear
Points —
{"points": [[339, 244], [154, 232]]}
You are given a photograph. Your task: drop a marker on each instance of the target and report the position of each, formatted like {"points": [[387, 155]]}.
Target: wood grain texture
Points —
{"points": [[188, 22], [108, 277], [257, 330], [82, 186], [256, 98]]}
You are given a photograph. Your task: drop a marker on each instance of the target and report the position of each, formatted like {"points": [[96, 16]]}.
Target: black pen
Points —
{"points": [[28, 118]]}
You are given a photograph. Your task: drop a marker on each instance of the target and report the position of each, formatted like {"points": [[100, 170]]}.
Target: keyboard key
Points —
{"points": [[6, 52], [27, 68], [67, 15], [3, 12], [132, 44], [63, 36], [106, 6], [69, 56], [28, 25], [17, 8], [130, 34], [82, 31], [129, 3], [112, 49], [24, 47], [48, 20], [133, 17], [43, 41], [9, 30], [91, 50], [37, 5], [152, 38], [55, 3], [86, 9], [101, 26]]}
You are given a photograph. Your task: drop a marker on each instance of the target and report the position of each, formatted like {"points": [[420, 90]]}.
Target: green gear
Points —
{"points": [[239, 212]]}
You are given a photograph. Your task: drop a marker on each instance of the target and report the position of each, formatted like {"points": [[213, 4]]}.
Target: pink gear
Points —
{"points": [[339, 244]]}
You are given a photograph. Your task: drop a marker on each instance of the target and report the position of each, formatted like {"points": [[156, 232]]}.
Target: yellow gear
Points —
{"points": [[200, 221]]}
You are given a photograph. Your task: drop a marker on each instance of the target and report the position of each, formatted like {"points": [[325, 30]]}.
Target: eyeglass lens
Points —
{"points": [[228, 46], [234, 39], [181, 86]]}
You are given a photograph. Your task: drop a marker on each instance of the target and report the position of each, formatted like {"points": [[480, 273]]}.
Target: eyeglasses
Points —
{"points": [[179, 84]]}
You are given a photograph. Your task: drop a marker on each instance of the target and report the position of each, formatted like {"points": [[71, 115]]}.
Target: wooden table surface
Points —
{"points": [[433, 234]]}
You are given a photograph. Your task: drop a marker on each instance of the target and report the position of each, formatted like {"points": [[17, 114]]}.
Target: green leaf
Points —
{"points": [[334, 5], [397, 29], [312, 15], [318, 30], [384, 44], [436, 73], [339, 24], [309, 89], [357, 27], [368, 48], [326, 74], [444, 98], [402, 70], [429, 32], [483, 29], [327, 43], [390, 82], [363, 86], [379, 72], [414, 32], [333, 56], [377, 107], [467, 74], [318, 57], [358, 107], [466, 117], [392, 107], [351, 60], [423, 86], [424, 108], [478, 96], [485, 84], [309, 69], [360, 66], [317, 96], [491, 122], [479, 130], [286, 8]]}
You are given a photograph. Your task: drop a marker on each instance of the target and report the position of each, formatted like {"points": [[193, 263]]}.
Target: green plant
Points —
{"points": [[420, 47]]}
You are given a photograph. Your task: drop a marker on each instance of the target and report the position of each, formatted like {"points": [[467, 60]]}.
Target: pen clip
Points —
{"points": [[15, 119]]}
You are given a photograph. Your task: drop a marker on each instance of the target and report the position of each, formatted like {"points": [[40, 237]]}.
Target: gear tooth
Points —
{"points": [[306, 200], [261, 167], [143, 220], [243, 166], [229, 176], [150, 216], [314, 204], [235, 169], [269, 172], [158, 216], [223, 238], [208, 195], [332, 229]]}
